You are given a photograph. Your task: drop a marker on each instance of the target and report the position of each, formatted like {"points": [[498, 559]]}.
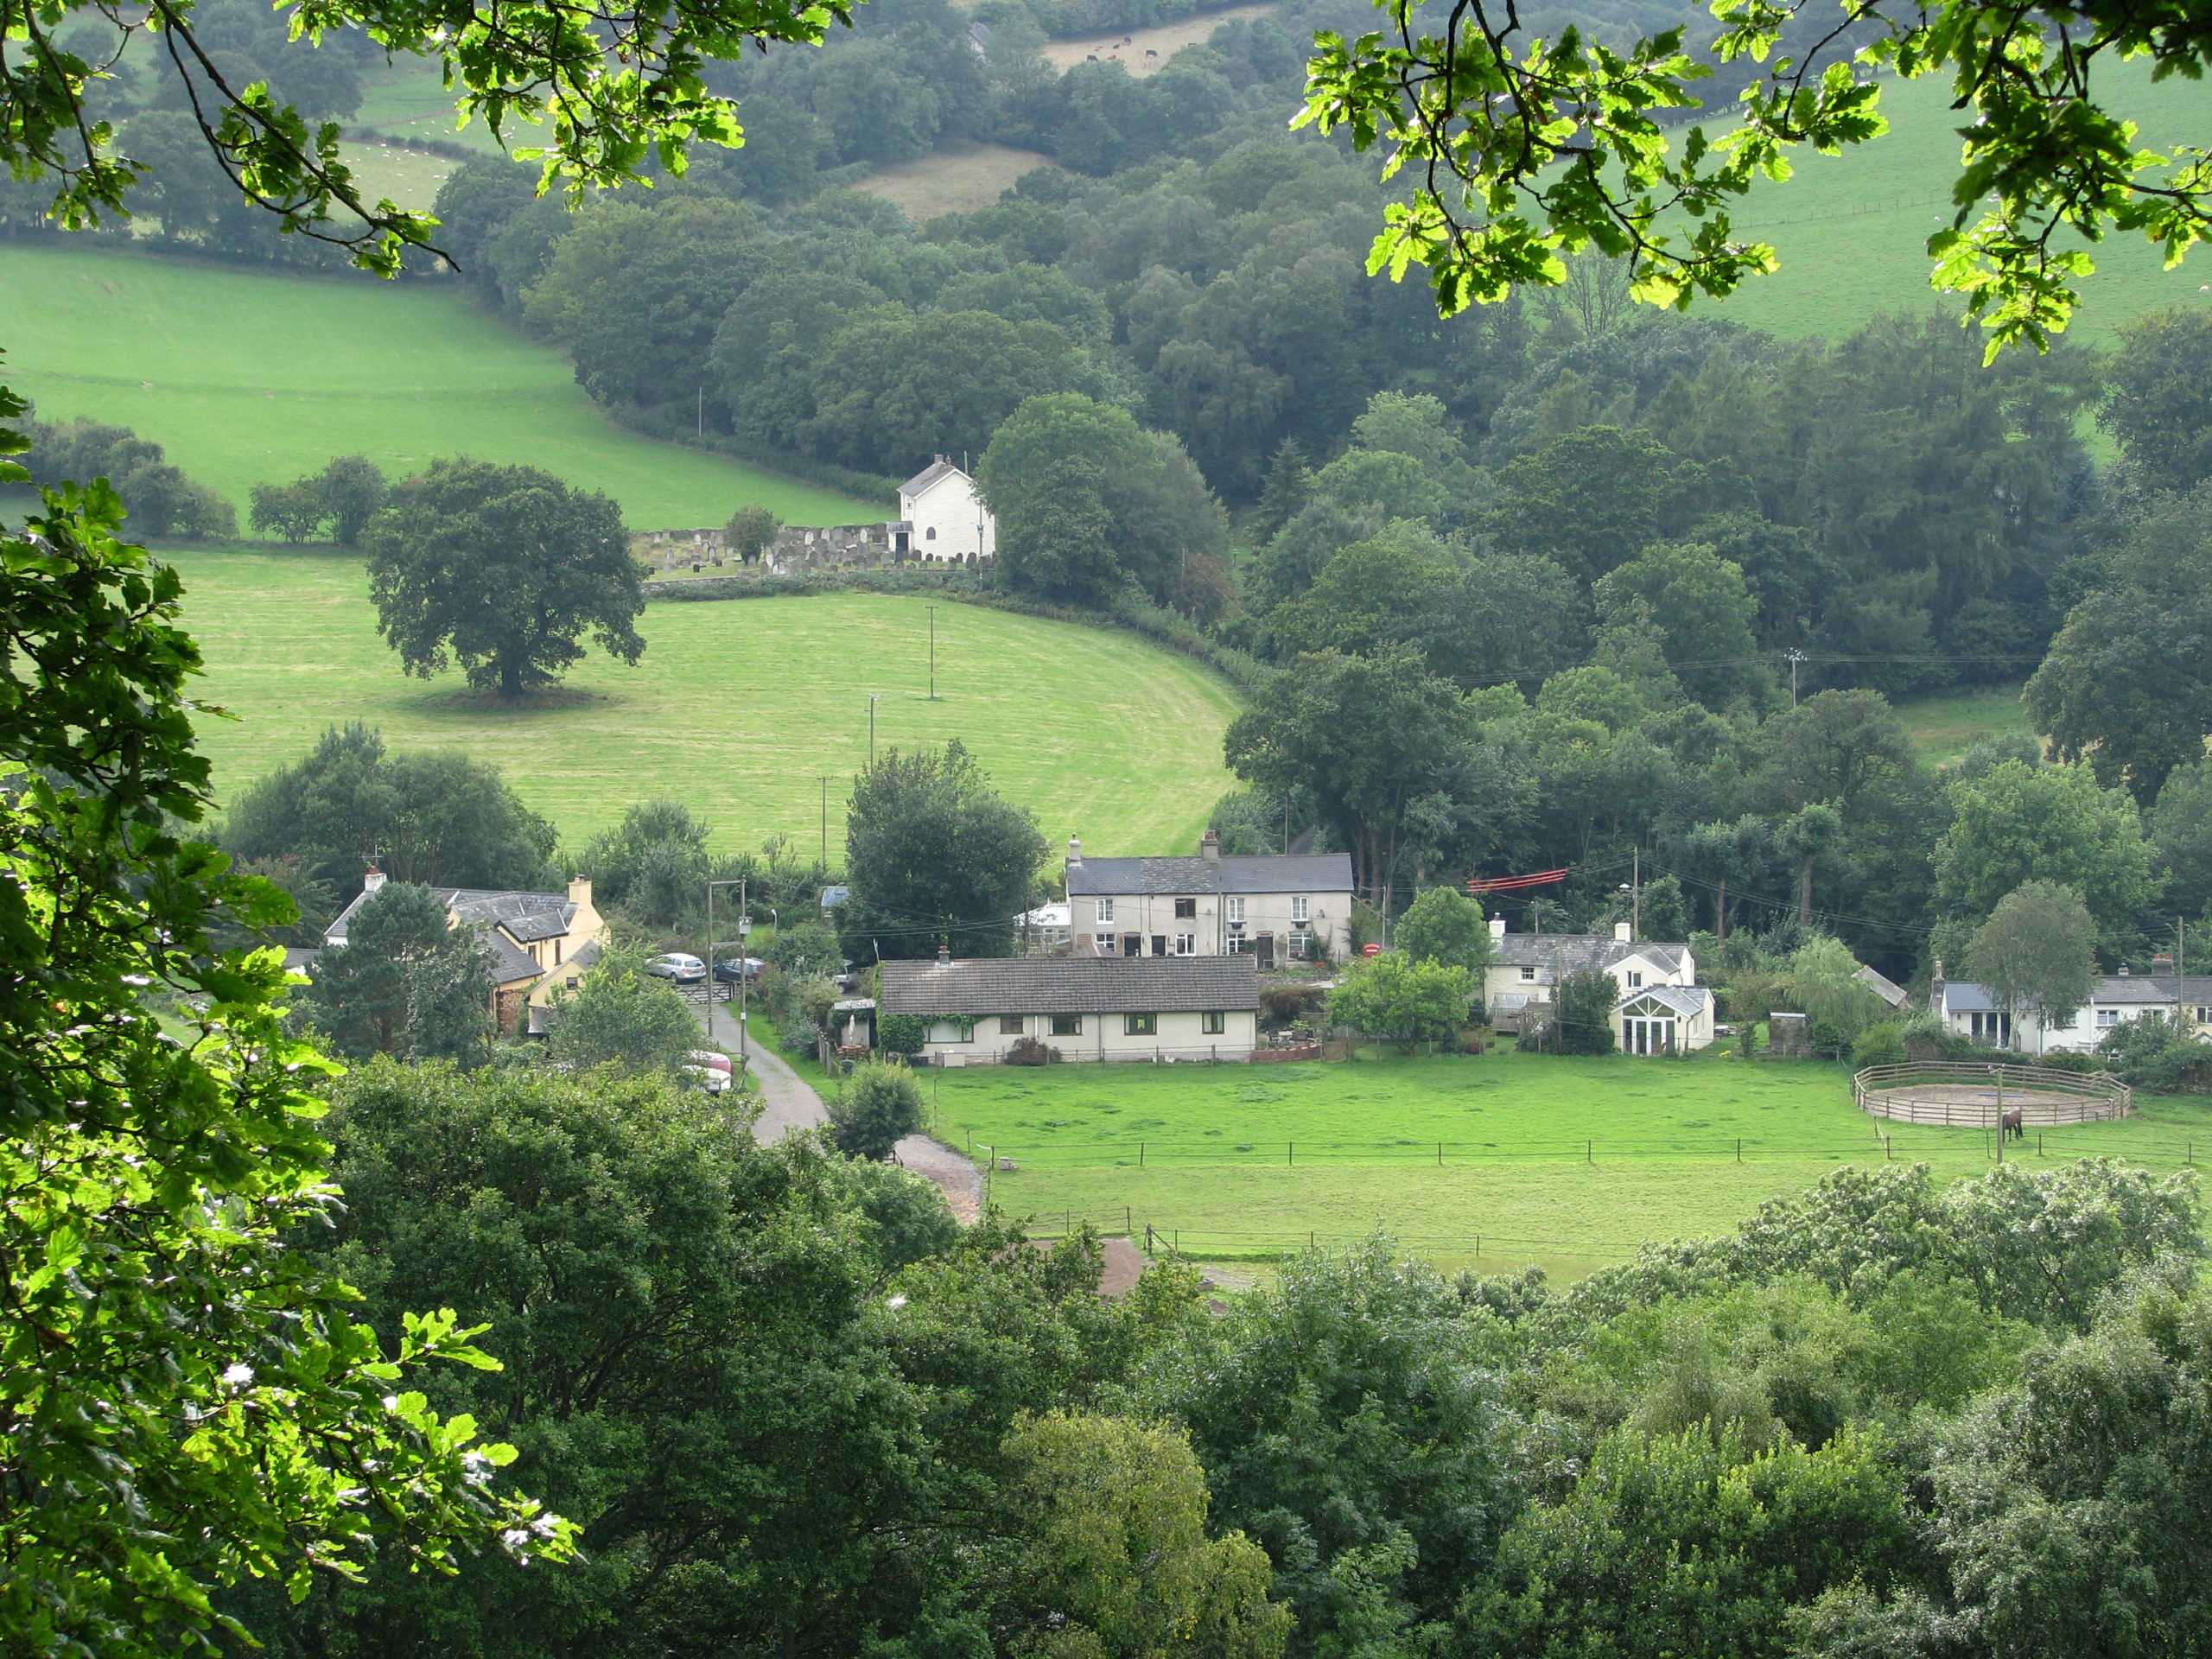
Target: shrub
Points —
{"points": [[1927, 1038], [1880, 1044], [1284, 1003], [880, 1106], [1030, 1051], [902, 1033], [2150, 1054], [1584, 1021], [800, 1034]]}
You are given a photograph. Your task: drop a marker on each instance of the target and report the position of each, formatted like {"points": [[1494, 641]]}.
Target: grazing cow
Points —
{"points": [[1090, 57], [1149, 53], [2013, 1124]]}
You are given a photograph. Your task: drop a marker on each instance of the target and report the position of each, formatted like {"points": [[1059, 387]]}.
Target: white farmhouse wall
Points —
{"points": [[1102, 1037], [950, 520]]}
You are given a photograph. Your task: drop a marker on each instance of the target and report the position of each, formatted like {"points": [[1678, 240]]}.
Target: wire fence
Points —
{"points": [[1157, 1238], [2178, 1150]]}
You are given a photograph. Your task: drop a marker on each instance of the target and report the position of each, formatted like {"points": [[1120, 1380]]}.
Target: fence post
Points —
{"points": [[1290, 1155], [1440, 1154], [1589, 1152], [1128, 1226], [1739, 1148], [1140, 1156]]}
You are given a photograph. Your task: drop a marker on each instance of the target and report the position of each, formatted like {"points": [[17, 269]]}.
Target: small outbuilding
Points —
{"points": [[1083, 1007]]}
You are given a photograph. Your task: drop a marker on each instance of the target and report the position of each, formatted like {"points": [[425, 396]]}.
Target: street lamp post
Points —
{"points": [[744, 1052]]}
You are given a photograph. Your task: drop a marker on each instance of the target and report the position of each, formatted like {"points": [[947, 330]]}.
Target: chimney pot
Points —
{"points": [[944, 955], [1497, 927], [1209, 846], [373, 882]]}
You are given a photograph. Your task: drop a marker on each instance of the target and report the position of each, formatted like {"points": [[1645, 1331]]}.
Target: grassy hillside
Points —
{"points": [[244, 376], [1567, 1163], [1852, 230], [738, 708], [1943, 729]]}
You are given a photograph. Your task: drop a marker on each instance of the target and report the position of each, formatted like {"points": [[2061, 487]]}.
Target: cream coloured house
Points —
{"points": [[540, 942], [1275, 908], [1085, 1007], [1662, 1009], [945, 519]]}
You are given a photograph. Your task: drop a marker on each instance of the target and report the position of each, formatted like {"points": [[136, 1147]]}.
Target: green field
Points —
{"points": [[1505, 1159], [1943, 729], [244, 376], [1852, 230], [738, 708]]}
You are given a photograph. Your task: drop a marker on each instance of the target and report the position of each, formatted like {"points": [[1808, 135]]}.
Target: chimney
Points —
{"points": [[1624, 933], [2162, 964], [2126, 972], [580, 891], [1210, 848], [1497, 927], [1075, 853], [373, 882], [944, 956]]}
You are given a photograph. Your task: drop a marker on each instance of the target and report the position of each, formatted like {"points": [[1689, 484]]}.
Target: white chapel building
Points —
{"points": [[944, 517]]}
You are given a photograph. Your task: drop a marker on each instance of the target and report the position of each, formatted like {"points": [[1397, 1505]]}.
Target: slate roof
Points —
{"points": [[1073, 985], [1117, 878], [501, 916], [935, 473], [1582, 953], [2111, 990], [1885, 988], [1688, 1001]]}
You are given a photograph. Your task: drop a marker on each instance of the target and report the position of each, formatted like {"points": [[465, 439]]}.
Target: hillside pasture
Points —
{"points": [[957, 178], [245, 376], [1943, 729], [740, 707], [1501, 1160], [1128, 46], [1852, 229]]}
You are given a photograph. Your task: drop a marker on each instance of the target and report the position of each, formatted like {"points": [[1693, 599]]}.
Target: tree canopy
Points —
{"points": [[503, 570], [935, 857]]}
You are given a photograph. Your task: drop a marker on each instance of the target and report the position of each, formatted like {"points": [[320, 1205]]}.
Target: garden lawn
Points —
{"points": [[1566, 1163], [1944, 728], [245, 376], [740, 707]]}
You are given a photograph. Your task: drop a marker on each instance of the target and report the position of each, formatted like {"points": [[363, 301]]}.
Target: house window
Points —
{"points": [[964, 1030], [1140, 1025], [1236, 913], [929, 535], [1105, 910], [1239, 946], [1299, 945], [1528, 975], [556, 953], [2107, 1018], [1185, 908], [1634, 981], [1213, 1025], [1105, 944], [1009, 1025], [1159, 944], [2203, 1014], [1187, 944], [1067, 1024], [1298, 913], [1990, 1026]]}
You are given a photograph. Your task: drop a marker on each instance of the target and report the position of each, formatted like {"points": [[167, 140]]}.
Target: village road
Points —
{"points": [[789, 1101]]}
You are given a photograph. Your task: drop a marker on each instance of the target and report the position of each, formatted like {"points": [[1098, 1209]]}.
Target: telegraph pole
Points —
{"points": [[1796, 656]]}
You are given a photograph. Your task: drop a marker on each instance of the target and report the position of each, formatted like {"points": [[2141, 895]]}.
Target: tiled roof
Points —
{"points": [[1115, 878], [1581, 953], [527, 915], [1073, 985], [1884, 987]]}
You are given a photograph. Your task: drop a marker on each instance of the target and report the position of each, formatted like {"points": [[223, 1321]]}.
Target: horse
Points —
{"points": [[2013, 1124]]}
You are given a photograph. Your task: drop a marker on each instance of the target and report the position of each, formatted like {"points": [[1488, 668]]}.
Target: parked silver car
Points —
{"points": [[676, 965]]}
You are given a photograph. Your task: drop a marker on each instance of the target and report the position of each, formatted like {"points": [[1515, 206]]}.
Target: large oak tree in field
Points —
{"points": [[503, 570]]}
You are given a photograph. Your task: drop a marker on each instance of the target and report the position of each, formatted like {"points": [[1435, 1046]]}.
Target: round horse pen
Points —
{"points": [[1988, 1095]]}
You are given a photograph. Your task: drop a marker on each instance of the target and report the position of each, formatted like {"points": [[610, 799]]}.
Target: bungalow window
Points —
{"points": [[1187, 944], [1213, 1025], [1067, 1024], [1236, 913], [1105, 910], [964, 1030], [1990, 1026], [1186, 909], [1140, 1025], [1009, 1025]]}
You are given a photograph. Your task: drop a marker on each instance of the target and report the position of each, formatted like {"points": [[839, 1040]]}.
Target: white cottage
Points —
{"points": [[1661, 1010], [1277, 907], [945, 519], [1086, 1008]]}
